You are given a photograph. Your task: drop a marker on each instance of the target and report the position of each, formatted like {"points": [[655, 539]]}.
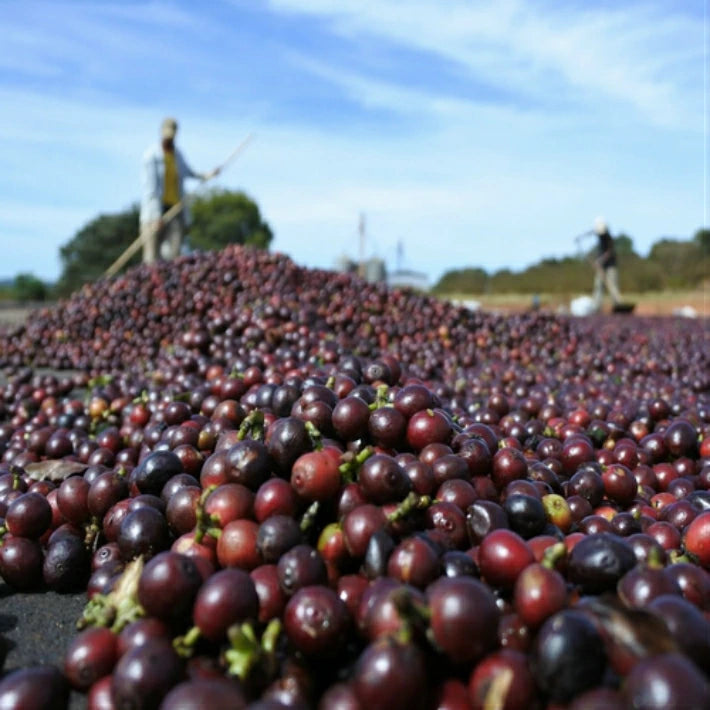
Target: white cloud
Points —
{"points": [[634, 56]]}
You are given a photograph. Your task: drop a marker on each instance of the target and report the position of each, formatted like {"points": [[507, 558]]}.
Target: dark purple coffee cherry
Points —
{"points": [[568, 655], [35, 687]]}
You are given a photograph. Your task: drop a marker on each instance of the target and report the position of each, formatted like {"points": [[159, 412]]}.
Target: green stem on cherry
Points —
{"points": [[352, 463], [243, 652], [380, 398], [271, 635], [655, 558], [553, 555], [413, 614], [247, 652], [92, 531], [309, 517], [202, 519], [185, 645], [119, 607], [16, 472], [675, 556], [315, 436], [252, 426], [99, 381], [411, 503]]}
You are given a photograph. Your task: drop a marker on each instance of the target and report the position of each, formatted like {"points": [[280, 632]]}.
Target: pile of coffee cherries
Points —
{"points": [[288, 488]]}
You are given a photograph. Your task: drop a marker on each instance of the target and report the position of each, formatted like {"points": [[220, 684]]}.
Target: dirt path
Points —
{"points": [[648, 304], [12, 316]]}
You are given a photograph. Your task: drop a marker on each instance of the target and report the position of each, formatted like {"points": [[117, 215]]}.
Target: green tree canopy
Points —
{"points": [[95, 247], [702, 239], [27, 287], [221, 217], [623, 245], [463, 281], [681, 261]]}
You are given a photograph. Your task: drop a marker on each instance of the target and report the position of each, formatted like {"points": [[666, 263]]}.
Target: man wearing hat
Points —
{"points": [[607, 275], [164, 170]]}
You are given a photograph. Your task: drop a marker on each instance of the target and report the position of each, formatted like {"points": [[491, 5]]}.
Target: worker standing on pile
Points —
{"points": [[607, 274], [164, 171]]}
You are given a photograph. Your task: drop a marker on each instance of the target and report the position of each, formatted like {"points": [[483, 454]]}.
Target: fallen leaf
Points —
{"points": [[54, 470]]}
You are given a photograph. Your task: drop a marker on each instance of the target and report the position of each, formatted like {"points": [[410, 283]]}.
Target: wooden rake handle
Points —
{"points": [[138, 242]]}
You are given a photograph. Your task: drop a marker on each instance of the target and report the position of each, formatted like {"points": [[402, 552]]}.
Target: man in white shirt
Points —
{"points": [[164, 171]]}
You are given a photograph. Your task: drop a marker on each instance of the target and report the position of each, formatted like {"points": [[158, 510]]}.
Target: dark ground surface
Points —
{"points": [[37, 629]]}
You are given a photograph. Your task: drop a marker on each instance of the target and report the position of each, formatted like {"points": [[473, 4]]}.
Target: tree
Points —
{"points": [[702, 239], [95, 247], [472, 280], [27, 287], [639, 275], [623, 245], [221, 217], [679, 260]]}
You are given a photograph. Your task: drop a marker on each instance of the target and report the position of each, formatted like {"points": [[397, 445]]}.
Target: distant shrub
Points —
{"points": [[28, 287]]}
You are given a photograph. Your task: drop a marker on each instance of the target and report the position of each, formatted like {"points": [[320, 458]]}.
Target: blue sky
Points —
{"points": [[476, 133]]}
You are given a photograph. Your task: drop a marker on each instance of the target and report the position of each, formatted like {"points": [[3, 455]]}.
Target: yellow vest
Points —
{"points": [[171, 193]]}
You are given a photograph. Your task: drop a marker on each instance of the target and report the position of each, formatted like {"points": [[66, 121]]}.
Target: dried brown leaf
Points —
{"points": [[54, 469]]}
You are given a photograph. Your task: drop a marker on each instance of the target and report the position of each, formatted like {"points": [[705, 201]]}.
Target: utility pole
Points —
{"points": [[400, 254]]}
